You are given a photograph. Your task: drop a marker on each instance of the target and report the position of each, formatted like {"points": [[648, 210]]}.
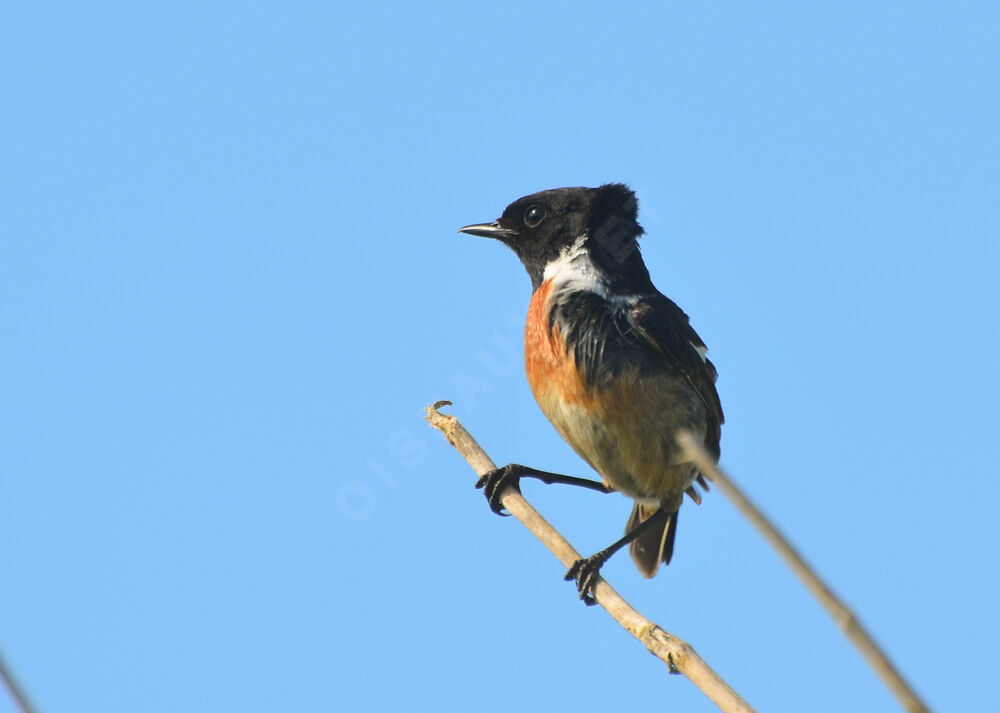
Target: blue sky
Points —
{"points": [[230, 281]]}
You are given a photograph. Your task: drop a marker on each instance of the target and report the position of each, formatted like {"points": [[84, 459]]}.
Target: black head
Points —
{"points": [[541, 227]]}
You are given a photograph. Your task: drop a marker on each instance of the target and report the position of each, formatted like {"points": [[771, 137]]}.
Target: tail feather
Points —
{"points": [[652, 547]]}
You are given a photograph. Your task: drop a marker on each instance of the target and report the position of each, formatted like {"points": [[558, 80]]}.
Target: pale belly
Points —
{"points": [[628, 440]]}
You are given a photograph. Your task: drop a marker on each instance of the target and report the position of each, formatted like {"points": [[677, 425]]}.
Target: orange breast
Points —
{"points": [[621, 428], [552, 373], [557, 384]]}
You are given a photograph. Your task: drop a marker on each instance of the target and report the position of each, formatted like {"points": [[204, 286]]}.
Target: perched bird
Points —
{"points": [[613, 364]]}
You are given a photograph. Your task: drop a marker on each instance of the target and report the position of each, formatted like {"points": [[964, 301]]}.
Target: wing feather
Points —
{"points": [[666, 327]]}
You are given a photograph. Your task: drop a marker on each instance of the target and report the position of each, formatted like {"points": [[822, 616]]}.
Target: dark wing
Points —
{"points": [[665, 325]]}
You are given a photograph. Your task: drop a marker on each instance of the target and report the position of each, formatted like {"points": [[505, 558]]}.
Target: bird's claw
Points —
{"points": [[586, 572], [495, 483]]}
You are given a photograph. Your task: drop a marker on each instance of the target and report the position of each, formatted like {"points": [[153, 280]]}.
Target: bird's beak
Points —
{"points": [[487, 230]]}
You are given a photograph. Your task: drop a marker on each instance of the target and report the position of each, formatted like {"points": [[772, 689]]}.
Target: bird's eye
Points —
{"points": [[534, 215]]}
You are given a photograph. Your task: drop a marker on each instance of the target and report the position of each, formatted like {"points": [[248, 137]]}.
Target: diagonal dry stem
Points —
{"points": [[677, 654], [844, 617], [15, 690]]}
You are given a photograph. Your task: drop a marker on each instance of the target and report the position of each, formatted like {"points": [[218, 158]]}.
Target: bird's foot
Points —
{"points": [[495, 483], [586, 572]]}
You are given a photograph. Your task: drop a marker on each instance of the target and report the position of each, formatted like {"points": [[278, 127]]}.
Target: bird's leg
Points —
{"points": [[496, 482], [585, 571]]}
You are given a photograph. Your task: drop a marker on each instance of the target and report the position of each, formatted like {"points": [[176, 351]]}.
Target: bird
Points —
{"points": [[614, 365]]}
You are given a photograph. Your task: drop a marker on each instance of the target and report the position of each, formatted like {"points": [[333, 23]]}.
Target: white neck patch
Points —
{"points": [[574, 270]]}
